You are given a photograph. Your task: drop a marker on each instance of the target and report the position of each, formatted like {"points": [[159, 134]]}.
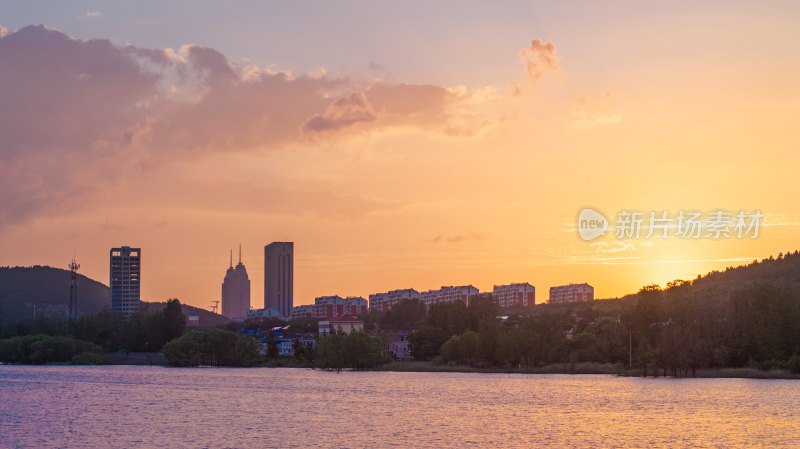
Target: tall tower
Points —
{"points": [[73, 288], [279, 277], [236, 291], [125, 280]]}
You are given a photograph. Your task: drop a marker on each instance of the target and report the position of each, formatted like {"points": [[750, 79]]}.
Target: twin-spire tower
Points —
{"points": [[236, 290]]}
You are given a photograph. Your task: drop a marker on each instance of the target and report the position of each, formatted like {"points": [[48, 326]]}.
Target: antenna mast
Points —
{"points": [[73, 288]]}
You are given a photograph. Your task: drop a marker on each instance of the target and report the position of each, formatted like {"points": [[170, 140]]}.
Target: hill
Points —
{"points": [[782, 270], [207, 318], [47, 288]]}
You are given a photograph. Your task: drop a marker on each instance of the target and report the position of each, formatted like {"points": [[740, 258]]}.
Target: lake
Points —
{"points": [[138, 406]]}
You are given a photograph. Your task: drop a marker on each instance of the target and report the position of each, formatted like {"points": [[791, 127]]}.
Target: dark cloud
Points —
{"points": [[61, 94]]}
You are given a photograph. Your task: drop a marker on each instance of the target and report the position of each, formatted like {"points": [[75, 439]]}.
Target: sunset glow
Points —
{"points": [[443, 144]]}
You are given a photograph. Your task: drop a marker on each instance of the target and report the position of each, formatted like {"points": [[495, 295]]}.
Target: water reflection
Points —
{"points": [[114, 406]]}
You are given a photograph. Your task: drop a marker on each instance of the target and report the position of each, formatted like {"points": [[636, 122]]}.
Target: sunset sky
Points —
{"points": [[412, 144]]}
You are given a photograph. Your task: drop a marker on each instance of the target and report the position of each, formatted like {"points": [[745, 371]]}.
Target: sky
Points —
{"points": [[398, 145]]}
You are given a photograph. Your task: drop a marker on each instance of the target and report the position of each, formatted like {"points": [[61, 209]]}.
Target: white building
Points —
{"points": [[571, 293], [385, 301], [330, 307], [305, 311], [449, 294], [510, 295], [340, 325], [264, 314], [397, 345]]}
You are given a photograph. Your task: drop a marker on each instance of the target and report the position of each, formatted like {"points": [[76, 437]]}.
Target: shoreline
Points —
{"points": [[414, 366], [589, 368]]}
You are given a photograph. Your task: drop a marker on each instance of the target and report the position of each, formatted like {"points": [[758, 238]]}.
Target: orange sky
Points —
{"points": [[457, 167]]}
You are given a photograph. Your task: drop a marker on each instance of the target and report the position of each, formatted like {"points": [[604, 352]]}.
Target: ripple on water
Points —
{"points": [[129, 406]]}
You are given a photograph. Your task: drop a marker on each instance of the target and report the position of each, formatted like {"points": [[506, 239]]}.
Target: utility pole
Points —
{"points": [[73, 288]]}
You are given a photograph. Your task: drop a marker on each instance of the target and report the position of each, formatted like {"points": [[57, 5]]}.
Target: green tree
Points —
{"points": [[40, 349], [272, 345], [512, 347], [482, 309], [212, 347], [463, 349], [405, 315], [355, 350], [449, 350], [425, 342], [451, 317], [174, 320]]}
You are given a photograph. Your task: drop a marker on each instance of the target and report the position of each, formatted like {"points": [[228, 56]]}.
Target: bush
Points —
{"points": [[356, 350], [462, 349], [41, 349], [212, 347], [793, 364]]}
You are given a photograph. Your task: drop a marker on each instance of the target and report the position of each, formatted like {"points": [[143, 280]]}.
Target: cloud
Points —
{"points": [[539, 59], [90, 15], [456, 238], [595, 111], [346, 111], [80, 115], [455, 112]]}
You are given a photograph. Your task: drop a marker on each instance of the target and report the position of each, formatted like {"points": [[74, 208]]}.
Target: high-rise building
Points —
{"points": [[125, 280], [236, 291], [329, 307], [571, 293], [385, 301], [306, 311], [523, 294], [448, 294], [279, 277]]}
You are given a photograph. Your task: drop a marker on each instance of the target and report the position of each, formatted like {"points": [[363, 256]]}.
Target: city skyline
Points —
{"points": [[461, 152]]}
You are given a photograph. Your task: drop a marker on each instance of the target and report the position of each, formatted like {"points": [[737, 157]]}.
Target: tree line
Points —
{"points": [[726, 319], [51, 338]]}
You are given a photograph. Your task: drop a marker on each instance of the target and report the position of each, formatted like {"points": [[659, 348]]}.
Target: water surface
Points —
{"points": [[137, 406]]}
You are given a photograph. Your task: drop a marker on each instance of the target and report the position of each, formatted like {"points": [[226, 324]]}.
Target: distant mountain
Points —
{"points": [[207, 318], [48, 289]]}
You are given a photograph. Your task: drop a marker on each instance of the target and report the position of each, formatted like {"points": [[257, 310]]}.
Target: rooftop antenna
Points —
{"points": [[231, 258], [73, 287], [240, 254], [215, 306]]}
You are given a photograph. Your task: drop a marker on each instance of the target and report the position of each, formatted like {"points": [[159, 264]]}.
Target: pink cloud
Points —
{"points": [[98, 110], [539, 59]]}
